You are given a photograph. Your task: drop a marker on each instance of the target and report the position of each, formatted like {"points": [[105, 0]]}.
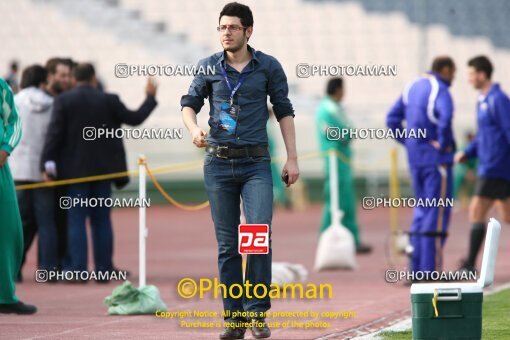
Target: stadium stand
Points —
{"points": [[108, 32]]}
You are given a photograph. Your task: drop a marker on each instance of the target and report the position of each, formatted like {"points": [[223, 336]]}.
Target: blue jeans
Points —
{"points": [[37, 210], [102, 235], [226, 181]]}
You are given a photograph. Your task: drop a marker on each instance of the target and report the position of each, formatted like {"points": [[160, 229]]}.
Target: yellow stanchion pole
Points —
{"points": [[142, 227], [394, 193]]}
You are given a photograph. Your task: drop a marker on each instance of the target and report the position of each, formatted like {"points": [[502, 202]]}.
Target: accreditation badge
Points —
{"points": [[228, 117]]}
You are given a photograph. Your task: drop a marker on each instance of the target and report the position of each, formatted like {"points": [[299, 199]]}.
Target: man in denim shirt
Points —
{"points": [[237, 161]]}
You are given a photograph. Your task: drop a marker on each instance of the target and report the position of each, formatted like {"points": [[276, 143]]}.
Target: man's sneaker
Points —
{"points": [[17, 308], [118, 270], [260, 329], [363, 249], [466, 268]]}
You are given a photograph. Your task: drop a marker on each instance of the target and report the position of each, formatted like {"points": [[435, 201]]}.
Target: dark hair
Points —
{"points": [[69, 62], [83, 72], [482, 64], [441, 62], [51, 64], [14, 66], [33, 75], [333, 85], [235, 9]]}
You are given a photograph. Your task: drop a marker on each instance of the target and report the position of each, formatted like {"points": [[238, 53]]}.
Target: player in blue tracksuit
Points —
{"points": [[492, 147], [426, 105]]}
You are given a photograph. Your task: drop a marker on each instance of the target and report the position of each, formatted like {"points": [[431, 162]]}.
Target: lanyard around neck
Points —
{"points": [[238, 85]]}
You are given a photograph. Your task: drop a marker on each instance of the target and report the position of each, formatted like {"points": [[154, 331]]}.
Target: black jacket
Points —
{"points": [[84, 106]]}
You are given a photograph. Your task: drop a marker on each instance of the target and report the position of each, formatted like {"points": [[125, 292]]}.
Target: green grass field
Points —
{"points": [[495, 322]]}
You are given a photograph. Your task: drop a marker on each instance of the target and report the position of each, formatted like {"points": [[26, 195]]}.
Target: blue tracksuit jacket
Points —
{"points": [[492, 142], [425, 104]]}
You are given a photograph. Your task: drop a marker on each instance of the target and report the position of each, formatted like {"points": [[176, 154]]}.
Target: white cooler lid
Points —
{"points": [[429, 288], [486, 278], [490, 252]]}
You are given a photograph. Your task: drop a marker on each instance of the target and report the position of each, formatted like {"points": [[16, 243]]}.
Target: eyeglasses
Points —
{"points": [[231, 28]]}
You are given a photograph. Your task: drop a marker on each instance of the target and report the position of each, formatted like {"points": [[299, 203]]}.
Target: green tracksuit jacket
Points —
{"points": [[11, 232]]}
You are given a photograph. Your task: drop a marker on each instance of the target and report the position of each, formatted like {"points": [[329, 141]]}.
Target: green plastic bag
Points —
{"points": [[128, 300]]}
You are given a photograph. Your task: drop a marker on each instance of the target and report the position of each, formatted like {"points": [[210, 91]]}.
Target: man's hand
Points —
{"points": [[460, 157], [151, 88], [292, 170], [435, 144], [46, 177], [198, 136], [3, 157]]}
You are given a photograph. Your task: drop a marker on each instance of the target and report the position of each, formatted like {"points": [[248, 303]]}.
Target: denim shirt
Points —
{"points": [[263, 76]]}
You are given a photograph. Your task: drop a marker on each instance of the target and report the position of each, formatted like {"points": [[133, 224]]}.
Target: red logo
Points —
{"points": [[253, 239]]}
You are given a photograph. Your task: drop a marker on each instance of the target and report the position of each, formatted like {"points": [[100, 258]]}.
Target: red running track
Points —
{"points": [[182, 244]]}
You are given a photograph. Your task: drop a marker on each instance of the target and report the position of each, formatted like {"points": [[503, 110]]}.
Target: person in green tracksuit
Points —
{"points": [[11, 232], [279, 194], [464, 174], [331, 119]]}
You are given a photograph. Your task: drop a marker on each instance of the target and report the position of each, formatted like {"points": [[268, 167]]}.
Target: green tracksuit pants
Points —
{"points": [[347, 199], [11, 237]]}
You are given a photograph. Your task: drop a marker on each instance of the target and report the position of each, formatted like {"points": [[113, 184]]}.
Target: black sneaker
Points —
{"points": [[467, 269], [111, 275], [363, 249], [17, 308], [118, 270], [260, 329]]}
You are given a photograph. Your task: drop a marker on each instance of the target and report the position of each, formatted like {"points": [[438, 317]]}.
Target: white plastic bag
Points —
{"points": [[336, 249], [285, 273]]}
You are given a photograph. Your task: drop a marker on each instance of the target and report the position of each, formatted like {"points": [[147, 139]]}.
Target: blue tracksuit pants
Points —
{"points": [[430, 221]]}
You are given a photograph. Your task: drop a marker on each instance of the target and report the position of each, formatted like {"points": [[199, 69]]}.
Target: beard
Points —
{"points": [[237, 47], [57, 88], [234, 49]]}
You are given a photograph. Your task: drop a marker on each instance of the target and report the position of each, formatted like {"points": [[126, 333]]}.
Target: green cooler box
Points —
{"points": [[453, 310]]}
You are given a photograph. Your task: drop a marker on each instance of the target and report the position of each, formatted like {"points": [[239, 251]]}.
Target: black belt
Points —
{"points": [[222, 151]]}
